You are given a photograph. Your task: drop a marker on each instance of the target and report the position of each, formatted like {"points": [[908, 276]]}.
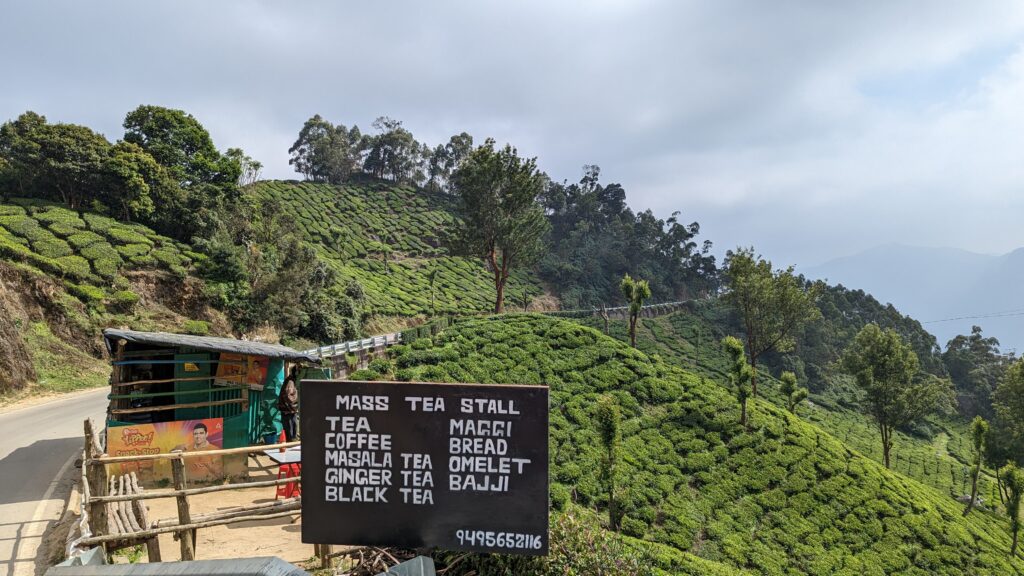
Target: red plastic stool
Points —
{"points": [[288, 489]]}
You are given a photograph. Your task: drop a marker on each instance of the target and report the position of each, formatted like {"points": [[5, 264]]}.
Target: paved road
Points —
{"points": [[38, 445]]}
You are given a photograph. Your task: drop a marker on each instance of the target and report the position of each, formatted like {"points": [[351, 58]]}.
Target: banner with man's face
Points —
{"points": [[163, 437]]}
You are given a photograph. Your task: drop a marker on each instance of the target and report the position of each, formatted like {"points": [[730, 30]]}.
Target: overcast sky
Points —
{"points": [[810, 130]]}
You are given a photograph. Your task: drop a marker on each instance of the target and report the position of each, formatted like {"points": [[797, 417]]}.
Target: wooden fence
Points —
{"points": [[113, 516]]}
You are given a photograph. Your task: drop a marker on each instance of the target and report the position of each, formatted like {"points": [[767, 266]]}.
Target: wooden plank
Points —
{"points": [[194, 491], [184, 517], [176, 406], [186, 529], [188, 379], [239, 511], [174, 455]]}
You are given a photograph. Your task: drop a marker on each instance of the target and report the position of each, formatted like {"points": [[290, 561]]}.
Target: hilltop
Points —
{"points": [[390, 239], [783, 497]]}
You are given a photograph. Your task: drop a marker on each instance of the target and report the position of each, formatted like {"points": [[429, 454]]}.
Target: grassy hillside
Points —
{"points": [[784, 497], [937, 454], [390, 239], [65, 274]]}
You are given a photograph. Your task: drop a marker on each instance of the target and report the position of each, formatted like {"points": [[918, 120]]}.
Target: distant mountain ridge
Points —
{"points": [[940, 287]]}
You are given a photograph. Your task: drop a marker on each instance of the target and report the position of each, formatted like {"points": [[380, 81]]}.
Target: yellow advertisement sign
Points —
{"points": [[164, 437], [236, 370]]}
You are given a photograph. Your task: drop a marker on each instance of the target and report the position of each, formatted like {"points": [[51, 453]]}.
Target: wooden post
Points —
{"points": [[325, 556], [185, 537], [97, 479]]}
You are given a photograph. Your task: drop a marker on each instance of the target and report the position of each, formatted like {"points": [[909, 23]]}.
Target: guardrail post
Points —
{"points": [[185, 537]]}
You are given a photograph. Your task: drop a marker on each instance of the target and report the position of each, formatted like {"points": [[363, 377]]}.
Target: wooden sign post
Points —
{"points": [[458, 466]]}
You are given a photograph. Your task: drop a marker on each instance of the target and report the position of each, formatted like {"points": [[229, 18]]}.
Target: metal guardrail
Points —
{"points": [[351, 346], [595, 311]]}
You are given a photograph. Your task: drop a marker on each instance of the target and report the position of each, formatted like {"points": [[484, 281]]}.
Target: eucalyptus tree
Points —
{"points": [[635, 291]]}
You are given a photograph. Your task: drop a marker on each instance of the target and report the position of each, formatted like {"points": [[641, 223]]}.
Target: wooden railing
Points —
{"points": [[98, 528]]}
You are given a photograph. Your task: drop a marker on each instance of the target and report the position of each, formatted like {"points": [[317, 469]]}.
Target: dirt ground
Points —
{"points": [[281, 537]]}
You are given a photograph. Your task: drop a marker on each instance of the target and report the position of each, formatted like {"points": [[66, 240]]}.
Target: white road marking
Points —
{"points": [[36, 524]]}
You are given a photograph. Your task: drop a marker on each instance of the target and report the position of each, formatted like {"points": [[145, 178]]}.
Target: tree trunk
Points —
{"points": [[886, 444], [612, 512], [499, 304], [753, 375], [974, 488], [632, 330]]}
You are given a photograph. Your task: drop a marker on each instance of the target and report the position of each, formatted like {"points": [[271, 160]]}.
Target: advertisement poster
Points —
{"points": [[235, 370], [164, 437]]}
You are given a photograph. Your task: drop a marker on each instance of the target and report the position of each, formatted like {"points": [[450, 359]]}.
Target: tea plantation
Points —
{"points": [[939, 460], [782, 497], [391, 240], [89, 252]]}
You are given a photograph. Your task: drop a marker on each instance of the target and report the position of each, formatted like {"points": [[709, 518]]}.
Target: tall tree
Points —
{"points": [[324, 152], [1008, 404], [501, 219], [773, 306], [979, 431], [740, 373], [208, 179], [1014, 479], [975, 366], [250, 168], [608, 424], [135, 184], [394, 153], [445, 159], [635, 291], [885, 368], [793, 393], [180, 143]]}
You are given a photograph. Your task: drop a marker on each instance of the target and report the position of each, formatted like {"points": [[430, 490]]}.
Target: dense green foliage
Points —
{"points": [[596, 238], [885, 369], [350, 226], [772, 305], [783, 497]]}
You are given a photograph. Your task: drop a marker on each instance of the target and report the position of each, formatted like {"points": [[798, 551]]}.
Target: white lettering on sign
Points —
{"points": [[488, 406], [355, 494], [484, 446], [368, 403], [466, 427], [425, 404], [357, 458], [349, 423], [417, 496], [418, 461], [352, 441], [358, 476]]}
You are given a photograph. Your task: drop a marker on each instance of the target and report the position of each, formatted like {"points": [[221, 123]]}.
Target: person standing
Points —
{"points": [[288, 404]]}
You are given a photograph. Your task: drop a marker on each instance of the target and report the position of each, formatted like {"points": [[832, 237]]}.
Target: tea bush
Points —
{"points": [[83, 248]]}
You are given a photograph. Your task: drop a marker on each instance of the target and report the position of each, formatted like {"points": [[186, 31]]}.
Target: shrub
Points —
{"points": [[382, 366], [364, 374], [130, 250], [73, 266], [196, 327], [86, 293], [122, 235], [125, 301], [84, 238], [51, 247]]}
